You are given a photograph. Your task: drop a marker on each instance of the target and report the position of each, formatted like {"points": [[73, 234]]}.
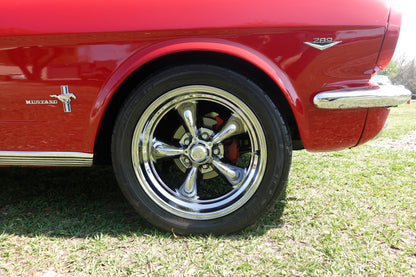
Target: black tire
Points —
{"points": [[199, 149]]}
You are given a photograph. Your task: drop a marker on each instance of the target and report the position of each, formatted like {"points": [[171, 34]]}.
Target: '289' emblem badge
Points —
{"points": [[322, 43]]}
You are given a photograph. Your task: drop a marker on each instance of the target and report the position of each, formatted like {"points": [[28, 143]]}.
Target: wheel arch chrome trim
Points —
{"points": [[39, 158], [362, 97]]}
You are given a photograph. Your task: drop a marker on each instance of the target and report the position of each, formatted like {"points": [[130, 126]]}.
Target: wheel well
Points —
{"points": [[102, 149]]}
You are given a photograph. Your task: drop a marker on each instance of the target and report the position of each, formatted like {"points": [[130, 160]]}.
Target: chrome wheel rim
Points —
{"points": [[184, 152]]}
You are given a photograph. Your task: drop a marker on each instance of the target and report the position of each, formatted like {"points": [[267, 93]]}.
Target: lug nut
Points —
{"points": [[216, 151], [187, 141], [205, 166], [187, 161], [205, 136]]}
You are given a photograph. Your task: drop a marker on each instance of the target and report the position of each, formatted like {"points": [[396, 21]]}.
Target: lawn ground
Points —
{"points": [[345, 213]]}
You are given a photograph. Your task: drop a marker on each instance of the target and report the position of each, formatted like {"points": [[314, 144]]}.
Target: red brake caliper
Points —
{"points": [[231, 149]]}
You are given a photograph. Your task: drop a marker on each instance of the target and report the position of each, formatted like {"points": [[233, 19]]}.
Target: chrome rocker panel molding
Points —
{"points": [[363, 97], [29, 158]]}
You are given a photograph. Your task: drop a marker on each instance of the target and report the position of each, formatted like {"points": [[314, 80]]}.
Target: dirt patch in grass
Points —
{"points": [[407, 141]]}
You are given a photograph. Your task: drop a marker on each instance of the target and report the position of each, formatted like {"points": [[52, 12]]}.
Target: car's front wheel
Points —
{"points": [[200, 149]]}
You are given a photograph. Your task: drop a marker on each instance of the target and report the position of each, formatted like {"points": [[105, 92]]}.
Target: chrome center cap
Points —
{"points": [[199, 153]]}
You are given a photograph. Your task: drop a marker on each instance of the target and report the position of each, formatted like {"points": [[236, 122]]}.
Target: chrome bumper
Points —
{"points": [[363, 97]]}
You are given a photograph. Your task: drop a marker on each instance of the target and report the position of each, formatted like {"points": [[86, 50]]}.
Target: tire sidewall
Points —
{"points": [[274, 128]]}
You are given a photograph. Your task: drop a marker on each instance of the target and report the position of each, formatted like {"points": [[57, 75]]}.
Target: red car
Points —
{"points": [[197, 104]]}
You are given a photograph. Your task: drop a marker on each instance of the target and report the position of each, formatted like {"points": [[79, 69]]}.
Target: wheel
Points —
{"points": [[200, 149]]}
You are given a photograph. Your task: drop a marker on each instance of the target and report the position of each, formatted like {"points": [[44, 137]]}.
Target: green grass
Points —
{"points": [[402, 120], [345, 213]]}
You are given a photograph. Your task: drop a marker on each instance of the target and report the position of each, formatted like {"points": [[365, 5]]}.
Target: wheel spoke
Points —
{"points": [[234, 126], [163, 150], [233, 174], [188, 113], [189, 186]]}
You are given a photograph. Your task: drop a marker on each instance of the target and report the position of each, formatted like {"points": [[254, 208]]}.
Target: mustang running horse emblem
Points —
{"points": [[65, 98]]}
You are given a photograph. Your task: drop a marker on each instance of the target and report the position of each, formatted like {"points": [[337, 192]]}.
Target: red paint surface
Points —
{"points": [[93, 46], [376, 120]]}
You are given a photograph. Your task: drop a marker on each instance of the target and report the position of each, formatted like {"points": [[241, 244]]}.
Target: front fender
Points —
{"points": [[158, 50]]}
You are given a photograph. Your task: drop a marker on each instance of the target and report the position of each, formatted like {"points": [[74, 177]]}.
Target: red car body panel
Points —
{"points": [[94, 46]]}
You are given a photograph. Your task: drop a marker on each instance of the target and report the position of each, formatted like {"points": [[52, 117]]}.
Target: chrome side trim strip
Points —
{"points": [[363, 97], [29, 158]]}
